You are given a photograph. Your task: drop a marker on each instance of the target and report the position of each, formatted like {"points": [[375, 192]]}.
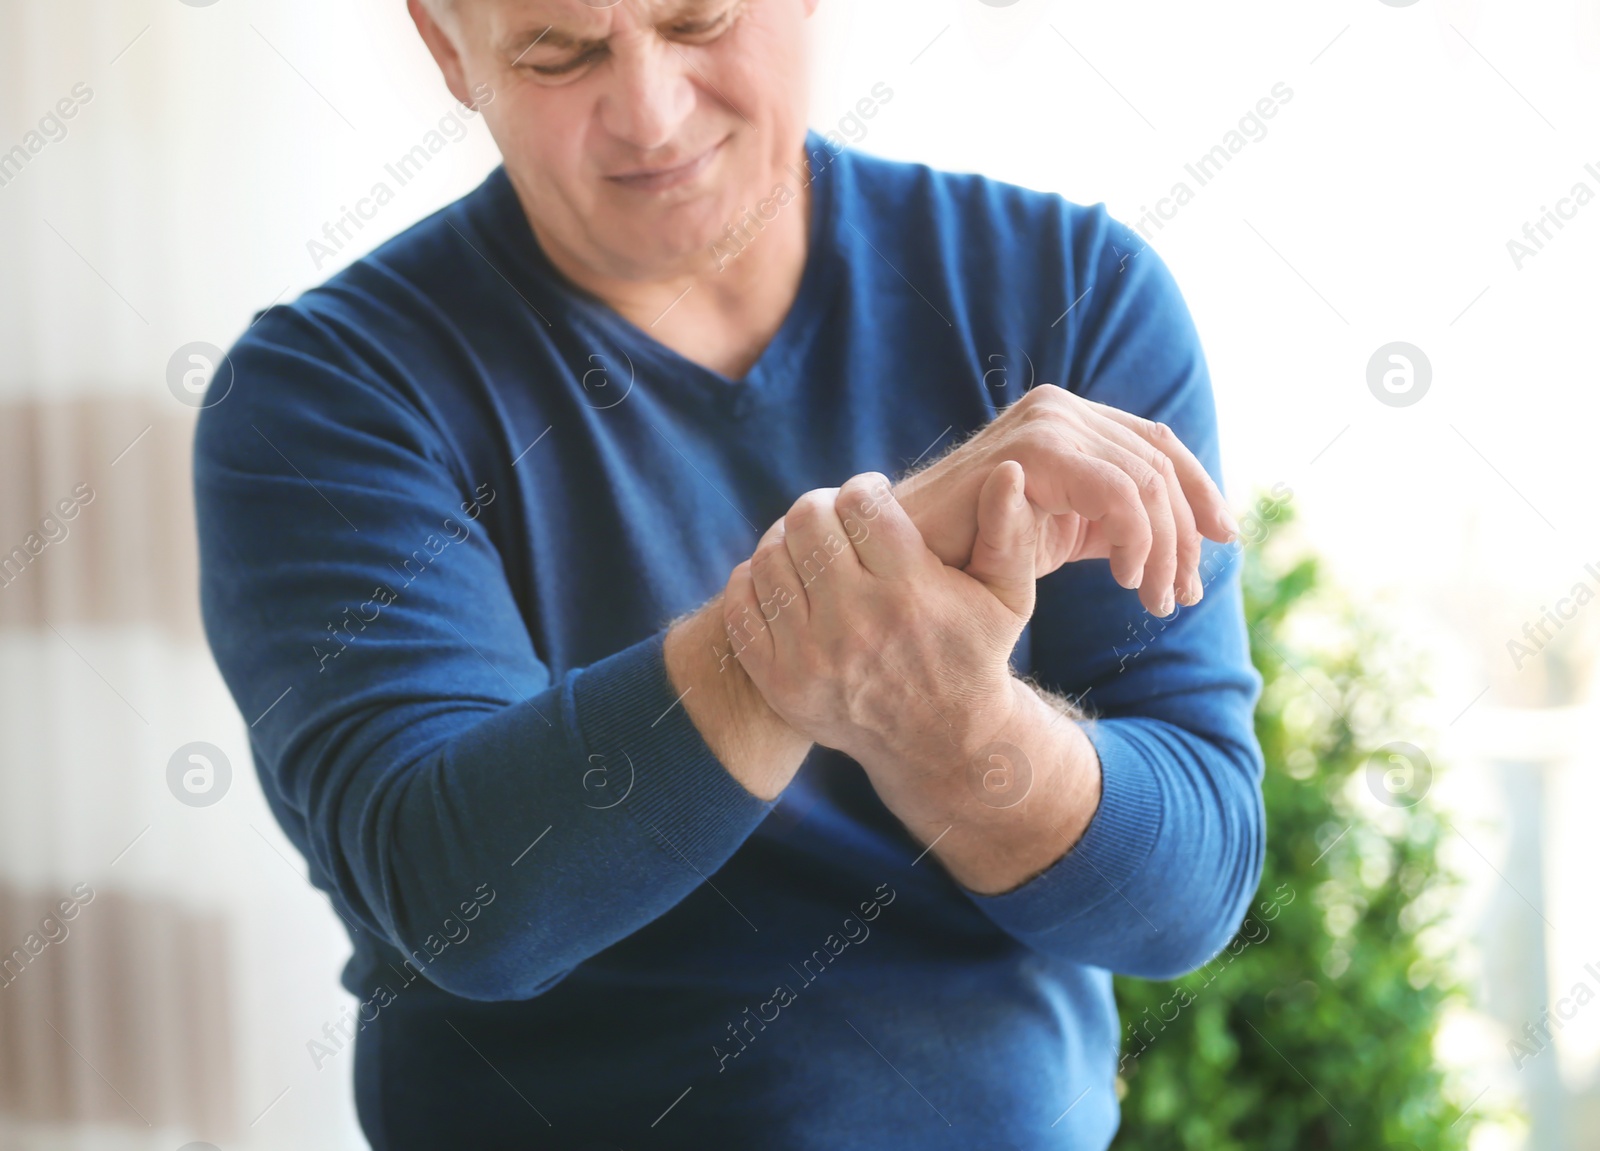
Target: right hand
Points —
{"points": [[861, 639]]}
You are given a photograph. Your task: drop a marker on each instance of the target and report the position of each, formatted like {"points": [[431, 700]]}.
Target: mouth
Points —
{"points": [[661, 179]]}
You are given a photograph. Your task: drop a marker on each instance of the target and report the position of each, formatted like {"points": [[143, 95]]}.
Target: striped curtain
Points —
{"points": [[163, 961]]}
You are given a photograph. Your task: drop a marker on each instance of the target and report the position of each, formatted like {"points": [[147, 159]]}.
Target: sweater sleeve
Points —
{"points": [[1163, 874], [409, 736]]}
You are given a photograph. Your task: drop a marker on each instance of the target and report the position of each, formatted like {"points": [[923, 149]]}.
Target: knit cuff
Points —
{"points": [[1113, 848], [630, 718]]}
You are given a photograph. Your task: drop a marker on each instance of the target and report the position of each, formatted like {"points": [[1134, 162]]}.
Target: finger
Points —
{"points": [[748, 638], [1008, 532], [1189, 586], [1102, 493], [1064, 477], [818, 547], [1156, 577], [780, 594], [886, 542], [1186, 583], [1211, 514]]}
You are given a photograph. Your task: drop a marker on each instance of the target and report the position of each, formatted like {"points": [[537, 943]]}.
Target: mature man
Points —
{"points": [[830, 861]]}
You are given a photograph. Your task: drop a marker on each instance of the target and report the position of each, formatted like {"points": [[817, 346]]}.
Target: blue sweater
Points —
{"points": [[447, 508]]}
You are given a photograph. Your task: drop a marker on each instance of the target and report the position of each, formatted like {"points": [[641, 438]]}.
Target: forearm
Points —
{"points": [[1164, 872], [1002, 812], [757, 748], [591, 805]]}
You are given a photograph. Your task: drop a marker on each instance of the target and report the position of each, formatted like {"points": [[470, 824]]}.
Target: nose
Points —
{"points": [[651, 92]]}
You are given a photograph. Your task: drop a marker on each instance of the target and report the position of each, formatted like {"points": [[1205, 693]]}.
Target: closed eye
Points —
{"points": [[573, 64], [705, 31], [585, 56]]}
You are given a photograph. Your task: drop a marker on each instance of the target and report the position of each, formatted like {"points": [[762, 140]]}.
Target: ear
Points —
{"points": [[444, 50]]}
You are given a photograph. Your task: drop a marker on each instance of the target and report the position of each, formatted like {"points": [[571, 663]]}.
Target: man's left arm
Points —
{"points": [[1132, 841], [1140, 841], [1155, 870]]}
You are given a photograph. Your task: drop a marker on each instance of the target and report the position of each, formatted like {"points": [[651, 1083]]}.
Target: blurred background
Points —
{"points": [[1395, 279]]}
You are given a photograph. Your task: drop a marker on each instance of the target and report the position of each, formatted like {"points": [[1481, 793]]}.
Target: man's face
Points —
{"points": [[634, 131]]}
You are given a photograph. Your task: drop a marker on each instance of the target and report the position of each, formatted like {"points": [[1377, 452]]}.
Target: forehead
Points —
{"points": [[517, 23]]}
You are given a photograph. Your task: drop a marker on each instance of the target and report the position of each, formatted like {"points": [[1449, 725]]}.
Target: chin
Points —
{"points": [[661, 256], [678, 242]]}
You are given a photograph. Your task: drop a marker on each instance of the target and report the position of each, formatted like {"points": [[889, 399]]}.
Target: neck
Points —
{"points": [[722, 311]]}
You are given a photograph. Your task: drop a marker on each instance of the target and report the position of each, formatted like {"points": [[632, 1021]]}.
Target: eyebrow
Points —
{"points": [[526, 41], [550, 36]]}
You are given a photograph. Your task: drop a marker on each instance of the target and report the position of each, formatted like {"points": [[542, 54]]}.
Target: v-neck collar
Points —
{"points": [[775, 363]]}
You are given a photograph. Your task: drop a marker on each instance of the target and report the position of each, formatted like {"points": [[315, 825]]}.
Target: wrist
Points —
{"points": [[942, 502], [970, 769], [1024, 801], [751, 740], [1000, 765]]}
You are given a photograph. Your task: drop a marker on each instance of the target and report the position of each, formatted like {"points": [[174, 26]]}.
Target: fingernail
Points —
{"points": [[1230, 523], [1166, 603]]}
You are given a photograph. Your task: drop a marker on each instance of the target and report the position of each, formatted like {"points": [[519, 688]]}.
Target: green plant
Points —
{"points": [[1315, 1027]]}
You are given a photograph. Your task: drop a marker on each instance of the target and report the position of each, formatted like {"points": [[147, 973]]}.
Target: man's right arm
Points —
{"points": [[1150, 498], [760, 750], [416, 747]]}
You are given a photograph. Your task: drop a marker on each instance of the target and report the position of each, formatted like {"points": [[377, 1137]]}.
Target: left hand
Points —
{"points": [[861, 638], [1112, 485]]}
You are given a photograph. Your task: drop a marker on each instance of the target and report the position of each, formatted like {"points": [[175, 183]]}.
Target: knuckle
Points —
{"points": [[1044, 410], [858, 489], [1052, 439], [764, 554], [1159, 434], [769, 562], [1029, 400], [1151, 484], [1123, 486], [808, 511]]}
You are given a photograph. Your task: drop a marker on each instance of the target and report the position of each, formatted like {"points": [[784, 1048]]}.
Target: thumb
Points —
{"points": [[1003, 553]]}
